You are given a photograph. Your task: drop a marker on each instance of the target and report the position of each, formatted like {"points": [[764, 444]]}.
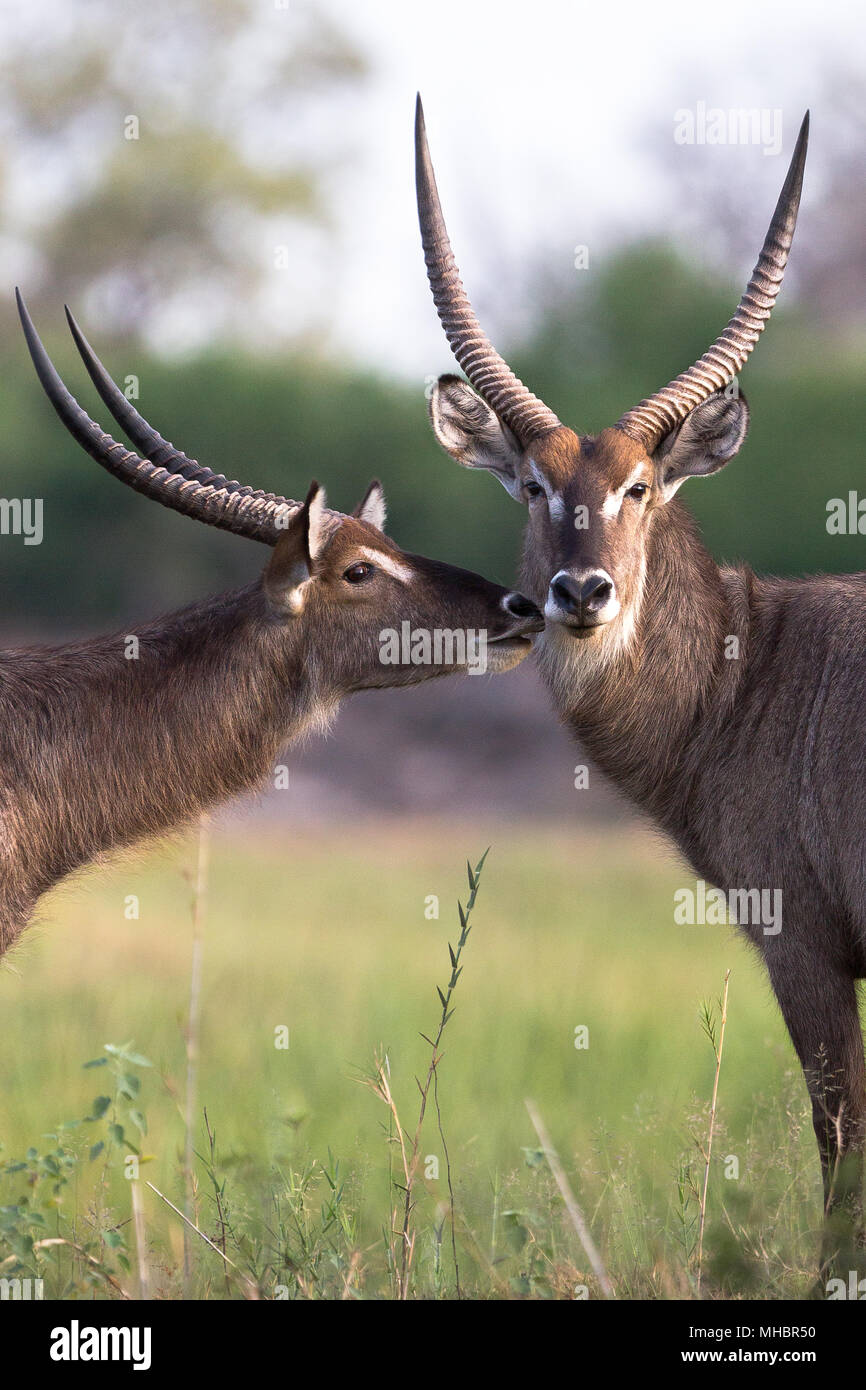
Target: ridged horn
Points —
{"points": [[489, 374], [655, 417], [188, 487], [146, 439]]}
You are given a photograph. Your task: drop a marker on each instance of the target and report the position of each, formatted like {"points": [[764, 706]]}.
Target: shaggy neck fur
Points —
{"points": [[98, 751], [640, 694]]}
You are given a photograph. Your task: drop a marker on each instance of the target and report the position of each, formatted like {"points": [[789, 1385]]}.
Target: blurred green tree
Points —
{"points": [[598, 349], [156, 157]]}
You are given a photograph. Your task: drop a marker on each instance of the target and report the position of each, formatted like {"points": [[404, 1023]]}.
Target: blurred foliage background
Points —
{"points": [[200, 248], [228, 167], [276, 423]]}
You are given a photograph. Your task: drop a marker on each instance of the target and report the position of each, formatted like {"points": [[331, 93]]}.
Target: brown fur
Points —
{"points": [[754, 766], [98, 752]]}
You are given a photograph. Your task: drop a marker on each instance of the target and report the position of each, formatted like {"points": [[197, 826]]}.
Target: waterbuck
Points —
{"points": [[107, 741], [729, 708]]}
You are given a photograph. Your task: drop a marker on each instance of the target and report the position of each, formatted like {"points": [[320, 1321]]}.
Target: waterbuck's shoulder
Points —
{"points": [[806, 633], [832, 603]]}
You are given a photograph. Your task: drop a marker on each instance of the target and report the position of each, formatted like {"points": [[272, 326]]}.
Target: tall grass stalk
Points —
{"points": [[398, 1264], [577, 1218], [249, 1288], [380, 1084], [218, 1188], [717, 1044], [140, 1239], [199, 912]]}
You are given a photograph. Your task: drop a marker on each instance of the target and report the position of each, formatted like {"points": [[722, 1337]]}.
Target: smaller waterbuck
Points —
{"points": [[108, 741], [731, 709]]}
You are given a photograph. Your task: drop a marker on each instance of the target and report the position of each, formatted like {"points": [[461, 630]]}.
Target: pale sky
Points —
{"points": [[551, 126], [543, 120]]}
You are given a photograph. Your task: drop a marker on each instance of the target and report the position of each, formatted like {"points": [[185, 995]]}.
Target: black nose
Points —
{"points": [[583, 596], [521, 606], [531, 619]]}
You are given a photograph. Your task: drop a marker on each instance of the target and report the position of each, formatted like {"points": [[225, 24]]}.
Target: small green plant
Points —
{"points": [[688, 1196], [39, 1239]]}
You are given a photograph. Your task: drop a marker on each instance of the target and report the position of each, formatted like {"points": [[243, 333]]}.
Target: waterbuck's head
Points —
{"points": [[386, 617], [337, 595], [592, 500]]}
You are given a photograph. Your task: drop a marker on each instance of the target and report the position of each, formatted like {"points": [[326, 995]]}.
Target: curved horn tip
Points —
{"points": [[422, 150], [425, 178], [799, 157], [80, 340], [26, 321], [30, 335], [45, 369], [22, 307], [794, 178]]}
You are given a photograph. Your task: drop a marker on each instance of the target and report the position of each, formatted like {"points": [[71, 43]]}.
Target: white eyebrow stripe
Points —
{"points": [[388, 564], [540, 479], [634, 477], [613, 502]]}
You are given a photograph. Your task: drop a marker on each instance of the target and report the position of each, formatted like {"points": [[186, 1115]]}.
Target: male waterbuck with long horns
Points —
{"points": [[98, 750], [727, 707]]}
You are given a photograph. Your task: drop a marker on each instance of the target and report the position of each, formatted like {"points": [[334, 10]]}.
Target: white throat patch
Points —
{"points": [[569, 665]]}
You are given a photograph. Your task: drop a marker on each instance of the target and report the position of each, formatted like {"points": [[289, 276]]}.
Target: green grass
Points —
{"points": [[326, 933]]}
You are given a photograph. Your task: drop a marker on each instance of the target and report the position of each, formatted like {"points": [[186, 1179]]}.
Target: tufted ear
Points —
{"points": [[708, 437], [472, 433], [292, 564], [372, 507]]}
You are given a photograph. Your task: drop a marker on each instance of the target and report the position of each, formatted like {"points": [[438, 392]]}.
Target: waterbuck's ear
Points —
{"points": [[472, 433], [293, 562], [372, 507], [703, 443]]}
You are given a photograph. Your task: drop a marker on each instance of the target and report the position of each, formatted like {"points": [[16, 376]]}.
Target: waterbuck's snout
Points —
{"points": [[531, 617], [507, 646], [582, 599], [521, 621]]}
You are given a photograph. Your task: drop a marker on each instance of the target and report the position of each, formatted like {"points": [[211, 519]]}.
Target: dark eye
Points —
{"points": [[639, 490], [532, 488], [357, 573]]}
